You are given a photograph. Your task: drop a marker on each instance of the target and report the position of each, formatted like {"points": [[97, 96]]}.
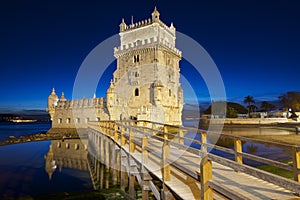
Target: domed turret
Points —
{"points": [[155, 15], [122, 26], [50, 162], [52, 103], [63, 98]]}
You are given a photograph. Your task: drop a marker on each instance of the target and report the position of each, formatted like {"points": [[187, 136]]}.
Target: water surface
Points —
{"points": [[17, 129]]}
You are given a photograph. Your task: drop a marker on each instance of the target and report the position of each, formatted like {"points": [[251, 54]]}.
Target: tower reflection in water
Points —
{"points": [[74, 154], [70, 153]]}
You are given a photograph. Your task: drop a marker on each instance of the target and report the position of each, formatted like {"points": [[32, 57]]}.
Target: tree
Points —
{"points": [[290, 100], [266, 106], [250, 101], [252, 107], [232, 109], [231, 113]]}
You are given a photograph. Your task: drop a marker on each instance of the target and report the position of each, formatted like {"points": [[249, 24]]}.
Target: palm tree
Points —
{"points": [[266, 106], [250, 101]]}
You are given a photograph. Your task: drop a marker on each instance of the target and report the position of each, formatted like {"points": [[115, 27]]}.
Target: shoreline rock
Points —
{"points": [[52, 134]]}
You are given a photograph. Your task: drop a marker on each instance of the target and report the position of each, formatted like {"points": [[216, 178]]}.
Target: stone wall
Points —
{"points": [[78, 113]]}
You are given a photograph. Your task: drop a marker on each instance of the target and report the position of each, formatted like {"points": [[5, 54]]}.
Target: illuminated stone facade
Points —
{"points": [[145, 85]]}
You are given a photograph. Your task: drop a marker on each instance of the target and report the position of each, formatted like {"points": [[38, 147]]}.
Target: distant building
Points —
{"points": [[145, 85]]}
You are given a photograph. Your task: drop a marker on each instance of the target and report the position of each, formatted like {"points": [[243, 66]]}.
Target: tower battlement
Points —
{"points": [[82, 103], [140, 44], [155, 20]]}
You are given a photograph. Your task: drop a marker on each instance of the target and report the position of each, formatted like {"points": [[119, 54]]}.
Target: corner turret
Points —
{"points": [[50, 165], [122, 26], [52, 103], [155, 15], [62, 98], [110, 98]]}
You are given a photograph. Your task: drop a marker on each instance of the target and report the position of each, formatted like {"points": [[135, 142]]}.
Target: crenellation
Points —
{"points": [[144, 44]]}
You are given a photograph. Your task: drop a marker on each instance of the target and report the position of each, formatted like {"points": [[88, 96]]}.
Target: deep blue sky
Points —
{"points": [[255, 44]]}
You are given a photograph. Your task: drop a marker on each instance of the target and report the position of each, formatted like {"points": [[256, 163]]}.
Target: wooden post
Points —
{"points": [[296, 163], [112, 128], [165, 164], [126, 125], [109, 128], [98, 147], [105, 128], [113, 164], [116, 136], [238, 149], [101, 176], [123, 161], [97, 171], [165, 132], [166, 172], [203, 141], [180, 140], [131, 143], [101, 149], [206, 176], [153, 125], [144, 150], [123, 139], [118, 164], [131, 166], [106, 177], [107, 156], [145, 176], [145, 124]]}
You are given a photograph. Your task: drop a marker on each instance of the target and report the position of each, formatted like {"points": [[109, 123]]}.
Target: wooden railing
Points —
{"points": [[136, 133]]}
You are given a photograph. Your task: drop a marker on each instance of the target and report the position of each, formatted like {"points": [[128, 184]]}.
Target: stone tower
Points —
{"points": [[145, 85]]}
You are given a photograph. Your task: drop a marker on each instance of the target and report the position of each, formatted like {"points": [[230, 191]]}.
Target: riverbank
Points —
{"points": [[292, 138], [52, 134], [285, 139]]}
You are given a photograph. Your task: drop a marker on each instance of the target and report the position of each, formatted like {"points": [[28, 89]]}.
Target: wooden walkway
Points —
{"points": [[178, 167]]}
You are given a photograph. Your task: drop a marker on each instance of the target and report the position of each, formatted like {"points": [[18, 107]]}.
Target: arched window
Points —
{"points": [[170, 92], [136, 92], [136, 58]]}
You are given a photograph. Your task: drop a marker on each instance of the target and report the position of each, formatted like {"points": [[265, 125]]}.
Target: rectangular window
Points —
{"points": [[78, 120], [68, 120], [60, 120]]}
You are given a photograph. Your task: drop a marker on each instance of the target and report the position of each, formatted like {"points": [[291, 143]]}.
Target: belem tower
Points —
{"points": [[145, 85]]}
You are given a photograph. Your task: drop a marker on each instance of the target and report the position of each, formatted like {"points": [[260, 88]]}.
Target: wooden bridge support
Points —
{"points": [[203, 141], [296, 161], [131, 164], [181, 135], [206, 176], [101, 176], [124, 177], [238, 149], [166, 172]]}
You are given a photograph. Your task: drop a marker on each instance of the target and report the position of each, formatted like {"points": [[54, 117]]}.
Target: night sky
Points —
{"points": [[255, 44]]}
